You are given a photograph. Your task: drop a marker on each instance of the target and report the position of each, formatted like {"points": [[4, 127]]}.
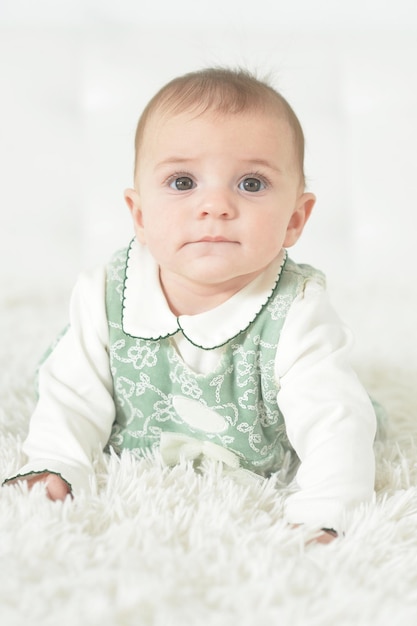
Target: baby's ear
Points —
{"points": [[133, 202], [299, 218]]}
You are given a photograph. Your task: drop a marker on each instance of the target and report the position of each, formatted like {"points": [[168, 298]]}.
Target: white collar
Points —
{"points": [[146, 313]]}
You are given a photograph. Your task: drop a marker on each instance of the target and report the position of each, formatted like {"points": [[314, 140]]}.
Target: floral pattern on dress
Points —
{"points": [[242, 388]]}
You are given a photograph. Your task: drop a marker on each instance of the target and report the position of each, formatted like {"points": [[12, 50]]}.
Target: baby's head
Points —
{"points": [[222, 92], [219, 182]]}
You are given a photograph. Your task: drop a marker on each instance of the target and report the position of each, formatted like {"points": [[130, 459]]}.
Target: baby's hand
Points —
{"points": [[326, 536], [56, 487]]}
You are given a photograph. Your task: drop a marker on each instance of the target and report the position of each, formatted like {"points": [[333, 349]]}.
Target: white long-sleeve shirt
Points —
{"points": [[329, 418]]}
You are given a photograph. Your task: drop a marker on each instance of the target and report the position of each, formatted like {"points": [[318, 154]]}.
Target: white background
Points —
{"points": [[75, 74]]}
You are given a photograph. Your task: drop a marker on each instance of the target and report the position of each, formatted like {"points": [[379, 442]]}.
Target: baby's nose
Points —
{"points": [[218, 203]]}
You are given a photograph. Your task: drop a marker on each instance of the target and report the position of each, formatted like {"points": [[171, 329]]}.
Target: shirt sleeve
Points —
{"points": [[330, 420], [75, 411]]}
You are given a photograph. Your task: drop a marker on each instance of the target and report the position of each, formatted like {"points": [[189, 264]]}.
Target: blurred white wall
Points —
{"points": [[74, 76]]}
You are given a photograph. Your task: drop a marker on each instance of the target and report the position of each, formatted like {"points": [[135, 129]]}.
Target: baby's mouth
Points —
{"points": [[218, 239], [210, 239]]}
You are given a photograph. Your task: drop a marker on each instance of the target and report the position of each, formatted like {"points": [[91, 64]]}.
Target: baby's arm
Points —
{"points": [[329, 417], [75, 411]]}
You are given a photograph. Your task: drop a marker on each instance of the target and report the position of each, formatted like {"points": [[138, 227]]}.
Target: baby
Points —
{"points": [[202, 338]]}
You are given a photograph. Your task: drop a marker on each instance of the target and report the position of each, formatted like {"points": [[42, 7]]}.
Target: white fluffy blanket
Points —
{"points": [[176, 547]]}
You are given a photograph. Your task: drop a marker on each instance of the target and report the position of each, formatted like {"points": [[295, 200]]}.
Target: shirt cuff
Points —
{"points": [[78, 479], [317, 513]]}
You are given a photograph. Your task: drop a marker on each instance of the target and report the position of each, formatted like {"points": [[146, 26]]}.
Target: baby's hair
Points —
{"points": [[224, 91]]}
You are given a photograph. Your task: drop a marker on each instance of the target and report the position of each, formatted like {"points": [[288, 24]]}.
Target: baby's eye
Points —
{"points": [[252, 184], [182, 183]]}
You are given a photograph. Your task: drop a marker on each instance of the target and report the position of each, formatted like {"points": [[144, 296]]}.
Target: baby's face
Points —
{"points": [[217, 196]]}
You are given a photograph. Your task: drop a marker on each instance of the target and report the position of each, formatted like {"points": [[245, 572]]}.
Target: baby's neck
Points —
{"points": [[192, 299]]}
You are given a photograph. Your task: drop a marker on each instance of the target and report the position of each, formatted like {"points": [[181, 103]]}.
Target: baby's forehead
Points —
{"points": [[169, 119], [209, 137], [175, 118]]}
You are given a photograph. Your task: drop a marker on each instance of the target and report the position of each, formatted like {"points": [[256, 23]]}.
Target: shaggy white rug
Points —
{"points": [[177, 547]]}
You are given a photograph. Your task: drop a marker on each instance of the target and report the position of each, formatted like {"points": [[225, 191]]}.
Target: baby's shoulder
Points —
{"points": [[116, 266], [119, 257], [302, 274]]}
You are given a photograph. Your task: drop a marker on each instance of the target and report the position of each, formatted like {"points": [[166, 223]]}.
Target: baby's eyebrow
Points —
{"points": [[255, 162], [262, 163], [174, 160]]}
